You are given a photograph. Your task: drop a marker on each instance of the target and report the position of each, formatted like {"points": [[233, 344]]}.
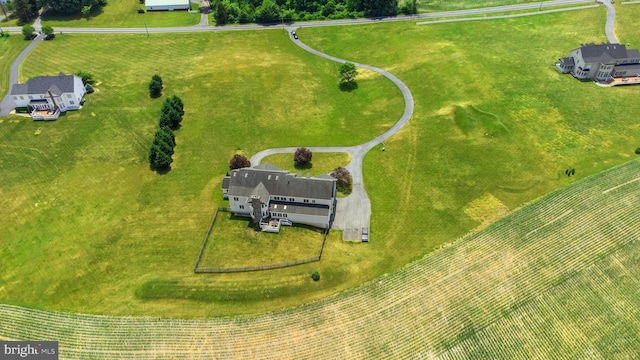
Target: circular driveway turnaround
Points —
{"points": [[354, 211]]}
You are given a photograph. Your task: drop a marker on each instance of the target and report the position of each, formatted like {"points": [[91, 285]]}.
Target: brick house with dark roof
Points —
{"points": [[266, 192], [48, 96], [601, 62]]}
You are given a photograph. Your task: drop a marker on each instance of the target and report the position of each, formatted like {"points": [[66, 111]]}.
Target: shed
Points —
{"points": [[166, 5]]}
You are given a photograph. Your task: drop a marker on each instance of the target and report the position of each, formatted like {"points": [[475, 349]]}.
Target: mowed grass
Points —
{"points": [[469, 79], [87, 224], [321, 163], [122, 14], [626, 17], [234, 242], [449, 5], [10, 48], [556, 280]]}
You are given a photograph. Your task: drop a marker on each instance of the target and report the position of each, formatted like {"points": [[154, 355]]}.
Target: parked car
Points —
{"points": [[365, 234], [293, 33]]}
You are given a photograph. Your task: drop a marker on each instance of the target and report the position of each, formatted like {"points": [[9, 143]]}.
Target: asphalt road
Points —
{"points": [[611, 18]]}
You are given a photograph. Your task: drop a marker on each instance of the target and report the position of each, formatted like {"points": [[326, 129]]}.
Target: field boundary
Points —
{"points": [[199, 270]]}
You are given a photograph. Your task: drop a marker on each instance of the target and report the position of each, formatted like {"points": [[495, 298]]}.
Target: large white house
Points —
{"points": [[48, 96], [266, 192], [166, 5], [602, 62]]}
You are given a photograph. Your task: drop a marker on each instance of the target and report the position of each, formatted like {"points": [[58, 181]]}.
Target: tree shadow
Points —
{"points": [[303, 166], [162, 171], [348, 86], [52, 16]]}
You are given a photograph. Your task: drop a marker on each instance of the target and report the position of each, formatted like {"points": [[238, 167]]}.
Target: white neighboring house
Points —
{"points": [[601, 62], [266, 192], [166, 5], [49, 96]]}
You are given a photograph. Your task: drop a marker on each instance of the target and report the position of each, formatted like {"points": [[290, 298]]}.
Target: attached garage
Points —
{"points": [[166, 5]]}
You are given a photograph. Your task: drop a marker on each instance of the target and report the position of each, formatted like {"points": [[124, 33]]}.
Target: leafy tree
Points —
{"points": [[343, 177], [86, 10], [373, 8], [267, 12], [315, 275], [348, 72], [71, 6], [87, 78], [220, 14], [47, 30], [155, 86], [165, 134], [27, 31], [302, 156], [26, 11], [239, 161], [170, 119]]}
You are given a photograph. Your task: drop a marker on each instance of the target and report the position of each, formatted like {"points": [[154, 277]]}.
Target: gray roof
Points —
{"points": [[568, 61], [299, 209], [277, 182], [225, 182], [606, 53], [40, 85]]}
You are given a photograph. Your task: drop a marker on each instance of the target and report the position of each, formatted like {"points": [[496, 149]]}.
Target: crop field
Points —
{"points": [[556, 280], [123, 13]]}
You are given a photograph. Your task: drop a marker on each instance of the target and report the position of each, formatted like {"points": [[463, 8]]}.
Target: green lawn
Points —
{"points": [[449, 5], [88, 226], [86, 219], [10, 48], [122, 13], [234, 242], [321, 163]]}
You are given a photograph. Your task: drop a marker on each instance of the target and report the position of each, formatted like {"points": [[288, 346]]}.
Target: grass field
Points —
{"points": [[557, 280], [449, 5], [83, 202], [122, 13], [321, 163], [234, 242], [10, 48], [484, 139]]}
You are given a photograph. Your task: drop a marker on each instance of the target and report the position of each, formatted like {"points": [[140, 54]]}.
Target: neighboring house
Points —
{"points": [[266, 192], [48, 96], [602, 62], [166, 5]]}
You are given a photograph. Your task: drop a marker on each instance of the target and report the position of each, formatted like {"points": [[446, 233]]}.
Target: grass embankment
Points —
{"points": [[87, 224], [10, 48], [451, 5], [122, 13]]}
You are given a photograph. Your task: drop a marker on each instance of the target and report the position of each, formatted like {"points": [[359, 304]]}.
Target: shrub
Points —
{"points": [[155, 86], [27, 31], [141, 11], [315, 275], [239, 161], [302, 156], [637, 151], [87, 78]]}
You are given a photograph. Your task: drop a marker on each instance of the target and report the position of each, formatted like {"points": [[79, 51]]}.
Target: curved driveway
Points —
{"points": [[611, 18], [354, 211]]}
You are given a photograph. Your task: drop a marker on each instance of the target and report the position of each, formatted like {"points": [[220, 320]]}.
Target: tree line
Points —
{"points": [[164, 140], [273, 11]]}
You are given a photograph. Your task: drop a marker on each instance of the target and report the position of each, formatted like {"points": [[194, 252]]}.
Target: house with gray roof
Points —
{"points": [[49, 96], [602, 62], [266, 192]]}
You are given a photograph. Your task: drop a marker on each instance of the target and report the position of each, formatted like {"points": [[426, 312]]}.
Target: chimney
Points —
{"points": [[257, 210]]}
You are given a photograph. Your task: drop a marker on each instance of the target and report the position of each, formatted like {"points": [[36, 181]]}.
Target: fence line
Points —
{"points": [[206, 238], [255, 267]]}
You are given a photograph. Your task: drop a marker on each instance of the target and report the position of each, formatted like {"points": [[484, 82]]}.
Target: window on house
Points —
{"points": [[313, 201], [30, 97], [235, 198], [69, 96], [241, 206], [21, 97], [71, 102], [292, 199], [306, 200]]}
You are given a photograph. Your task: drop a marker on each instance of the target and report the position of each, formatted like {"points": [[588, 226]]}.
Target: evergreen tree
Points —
{"points": [[165, 134]]}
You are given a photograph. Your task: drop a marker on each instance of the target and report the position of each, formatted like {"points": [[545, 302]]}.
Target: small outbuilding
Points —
{"points": [[166, 5]]}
